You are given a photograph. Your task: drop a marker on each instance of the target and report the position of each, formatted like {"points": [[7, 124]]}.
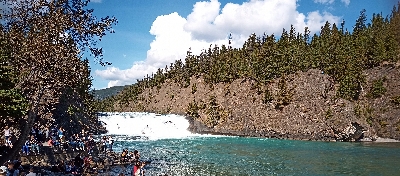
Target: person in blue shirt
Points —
{"points": [[60, 132], [25, 148], [11, 171]]}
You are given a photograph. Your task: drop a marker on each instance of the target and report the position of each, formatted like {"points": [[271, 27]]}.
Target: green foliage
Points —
{"points": [[107, 92], [328, 114], [377, 89], [398, 126], [350, 86], [193, 109], [368, 114], [71, 110], [13, 104], [214, 112], [395, 100], [284, 95], [268, 97], [194, 88], [357, 110], [364, 112], [383, 123]]}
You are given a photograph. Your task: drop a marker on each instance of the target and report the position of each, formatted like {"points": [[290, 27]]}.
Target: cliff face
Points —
{"points": [[299, 106]]}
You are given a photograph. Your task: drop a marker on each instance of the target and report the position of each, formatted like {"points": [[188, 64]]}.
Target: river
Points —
{"points": [[172, 150]]}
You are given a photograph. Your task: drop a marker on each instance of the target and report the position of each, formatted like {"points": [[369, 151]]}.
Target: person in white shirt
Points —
{"points": [[110, 143], [7, 136], [31, 172]]}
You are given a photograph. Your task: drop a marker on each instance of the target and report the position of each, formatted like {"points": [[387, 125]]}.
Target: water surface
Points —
{"points": [[175, 152]]}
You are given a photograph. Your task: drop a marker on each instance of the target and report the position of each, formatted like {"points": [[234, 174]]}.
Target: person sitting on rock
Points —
{"points": [[124, 155], [73, 143], [136, 155], [7, 135], [60, 132], [81, 143], [53, 131], [138, 168], [34, 145], [64, 143], [57, 145], [110, 143], [33, 131], [104, 144], [131, 157], [26, 147], [74, 170], [46, 132]]}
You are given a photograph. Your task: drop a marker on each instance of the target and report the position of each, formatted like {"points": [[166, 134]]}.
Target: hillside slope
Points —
{"points": [[312, 111]]}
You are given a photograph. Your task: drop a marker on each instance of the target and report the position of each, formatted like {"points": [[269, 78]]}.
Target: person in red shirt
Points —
{"points": [[137, 168]]}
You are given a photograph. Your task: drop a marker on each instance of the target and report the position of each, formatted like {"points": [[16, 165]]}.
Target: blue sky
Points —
{"points": [[153, 33]]}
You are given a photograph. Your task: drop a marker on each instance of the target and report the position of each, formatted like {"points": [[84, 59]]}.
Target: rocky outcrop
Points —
{"points": [[305, 108]]}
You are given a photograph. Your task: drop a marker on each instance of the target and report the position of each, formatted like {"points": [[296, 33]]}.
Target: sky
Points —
{"points": [[151, 34]]}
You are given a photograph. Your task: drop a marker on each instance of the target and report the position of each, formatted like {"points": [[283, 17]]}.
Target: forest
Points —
{"points": [[334, 50]]}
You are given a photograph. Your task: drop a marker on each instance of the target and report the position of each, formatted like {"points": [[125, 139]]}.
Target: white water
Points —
{"points": [[146, 125]]}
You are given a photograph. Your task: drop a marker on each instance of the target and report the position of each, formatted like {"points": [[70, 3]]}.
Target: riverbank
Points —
{"points": [[110, 163], [98, 164]]}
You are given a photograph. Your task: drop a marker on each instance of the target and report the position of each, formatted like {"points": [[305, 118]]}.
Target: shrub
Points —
{"points": [[396, 100], [377, 89], [193, 110], [194, 88], [285, 95], [268, 97], [328, 114]]}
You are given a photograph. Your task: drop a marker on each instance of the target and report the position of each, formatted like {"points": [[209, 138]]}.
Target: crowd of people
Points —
{"points": [[59, 141]]}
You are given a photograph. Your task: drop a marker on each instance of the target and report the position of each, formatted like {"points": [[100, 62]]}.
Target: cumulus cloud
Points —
{"points": [[207, 24], [123, 77]]}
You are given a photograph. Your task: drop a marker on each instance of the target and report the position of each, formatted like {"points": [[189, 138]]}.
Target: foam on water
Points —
{"points": [[141, 125]]}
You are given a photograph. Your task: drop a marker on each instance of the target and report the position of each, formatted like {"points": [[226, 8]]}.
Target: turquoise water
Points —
{"points": [[260, 156]]}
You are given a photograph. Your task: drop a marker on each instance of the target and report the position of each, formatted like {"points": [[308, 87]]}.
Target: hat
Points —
{"points": [[3, 169]]}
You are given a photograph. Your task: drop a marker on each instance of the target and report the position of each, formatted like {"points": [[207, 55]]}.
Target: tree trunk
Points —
{"points": [[25, 129], [17, 146]]}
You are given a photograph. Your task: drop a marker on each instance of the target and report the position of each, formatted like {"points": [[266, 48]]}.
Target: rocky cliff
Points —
{"points": [[301, 106]]}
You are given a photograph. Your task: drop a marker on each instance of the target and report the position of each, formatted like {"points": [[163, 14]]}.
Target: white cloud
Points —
{"points": [[128, 76], [95, 1], [346, 2], [209, 24], [324, 1]]}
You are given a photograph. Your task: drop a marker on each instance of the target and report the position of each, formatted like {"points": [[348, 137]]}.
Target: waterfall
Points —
{"points": [[142, 125]]}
